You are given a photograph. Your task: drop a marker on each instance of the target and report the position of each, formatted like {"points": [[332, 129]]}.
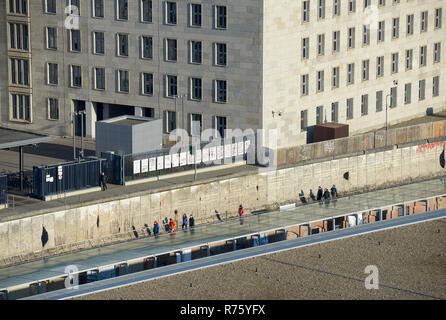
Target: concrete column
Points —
{"points": [[91, 118], [138, 111]]}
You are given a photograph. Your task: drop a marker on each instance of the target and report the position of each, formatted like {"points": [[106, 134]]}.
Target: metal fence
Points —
{"points": [[3, 190], [66, 177], [122, 168]]}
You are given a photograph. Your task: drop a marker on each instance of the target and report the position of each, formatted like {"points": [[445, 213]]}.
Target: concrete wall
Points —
{"points": [[253, 191]]}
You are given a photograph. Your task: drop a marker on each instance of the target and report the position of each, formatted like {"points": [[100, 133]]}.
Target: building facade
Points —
{"points": [[271, 64]]}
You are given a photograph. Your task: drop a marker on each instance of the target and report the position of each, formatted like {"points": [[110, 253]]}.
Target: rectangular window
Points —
{"points": [[320, 44], [350, 73], [306, 11], [304, 86], [52, 74], [438, 17], [123, 77], [50, 6], [379, 66], [21, 108], [53, 109], [366, 35], [147, 83], [366, 3], [381, 31], [19, 71], [99, 78], [221, 91], [220, 17], [395, 28], [75, 40], [171, 121], [76, 76], [351, 38], [423, 22], [351, 6], [171, 12], [336, 41], [18, 7], [195, 19], [123, 45], [146, 10], [349, 108], [172, 86], [379, 101], [336, 7], [319, 114], [395, 62], [303, 120], [321, 9], [421, 89], [437, 51], [123, 10], [196, 124], [305, 48], [195, 51], [407, 93], [148, 112], [51, 38], [146, 47], [320, 81], [98, 9], [335, 78], [409, 55], [423, 54], [436, 86], [364, 104], [365, 70], [75, 7], [171, 54], [99, 47], [393, 97], [409, 30], [18, 36], [220, 54], [334, 111], [221, 126], [196, 89]]}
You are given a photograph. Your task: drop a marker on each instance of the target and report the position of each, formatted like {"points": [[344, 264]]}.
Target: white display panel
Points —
{"points": [[160, 163], [212, 153], [228, 150], [167, 161], [219, 152], [152, 164], [183, 159], [175, 160], [136, 166], [144, 165], [198, 156], [240, 148], [205, 155]]}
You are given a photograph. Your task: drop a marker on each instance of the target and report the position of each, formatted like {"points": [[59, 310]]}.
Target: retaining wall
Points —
{"points": [[260, 190]]}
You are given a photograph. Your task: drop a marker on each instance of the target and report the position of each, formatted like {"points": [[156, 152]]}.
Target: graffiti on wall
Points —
{"points": [[430, 146]]}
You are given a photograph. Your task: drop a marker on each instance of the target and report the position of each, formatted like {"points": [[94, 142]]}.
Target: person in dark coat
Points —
{"points": [[312, 196], [319, 193], [326, 194], [334, 192], [185, 221], [156, 229], [103, 182], [302, 197], [191, 223]]}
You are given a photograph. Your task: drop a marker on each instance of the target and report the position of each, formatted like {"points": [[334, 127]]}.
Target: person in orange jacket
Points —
{"points": [[241, 211], [172, 224]]}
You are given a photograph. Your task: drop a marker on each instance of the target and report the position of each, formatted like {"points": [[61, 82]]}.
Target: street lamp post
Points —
{"points": [[80, 113]]}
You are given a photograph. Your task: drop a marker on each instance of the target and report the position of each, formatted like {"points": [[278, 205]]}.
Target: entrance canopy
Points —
{"points": [[10, 138]]}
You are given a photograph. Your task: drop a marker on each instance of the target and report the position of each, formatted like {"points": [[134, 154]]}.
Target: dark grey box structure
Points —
{"points": [[128, 135]]}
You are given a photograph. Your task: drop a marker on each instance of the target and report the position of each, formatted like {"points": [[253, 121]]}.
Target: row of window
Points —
{"points": [[351, 8], [365, 69], [351, 36], [146, 46], [379, 99], [145, 11], [146, 80]]}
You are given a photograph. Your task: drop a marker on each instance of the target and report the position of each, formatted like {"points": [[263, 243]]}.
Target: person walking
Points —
{"points": [[334, 192], [172, 224], [319, 194], [241, 211], [191, 223], [312, 195], [156, 228], [326, 194], [103, 182], [185, 221]]}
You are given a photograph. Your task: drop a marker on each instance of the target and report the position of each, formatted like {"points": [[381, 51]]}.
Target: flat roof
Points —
{"points": [[129, 122], [10, 138], [208, 233]]}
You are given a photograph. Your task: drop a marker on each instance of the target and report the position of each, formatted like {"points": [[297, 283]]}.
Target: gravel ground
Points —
{"points": [[411, 262]]}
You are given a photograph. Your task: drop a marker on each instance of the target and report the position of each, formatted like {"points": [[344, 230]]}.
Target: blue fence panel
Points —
{"points": [[66, 177], [3, 189]]}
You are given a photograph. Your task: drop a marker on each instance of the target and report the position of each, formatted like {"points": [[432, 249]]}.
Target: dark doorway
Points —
{"points": [[79, 105], [116, 110], [99, 111]]}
